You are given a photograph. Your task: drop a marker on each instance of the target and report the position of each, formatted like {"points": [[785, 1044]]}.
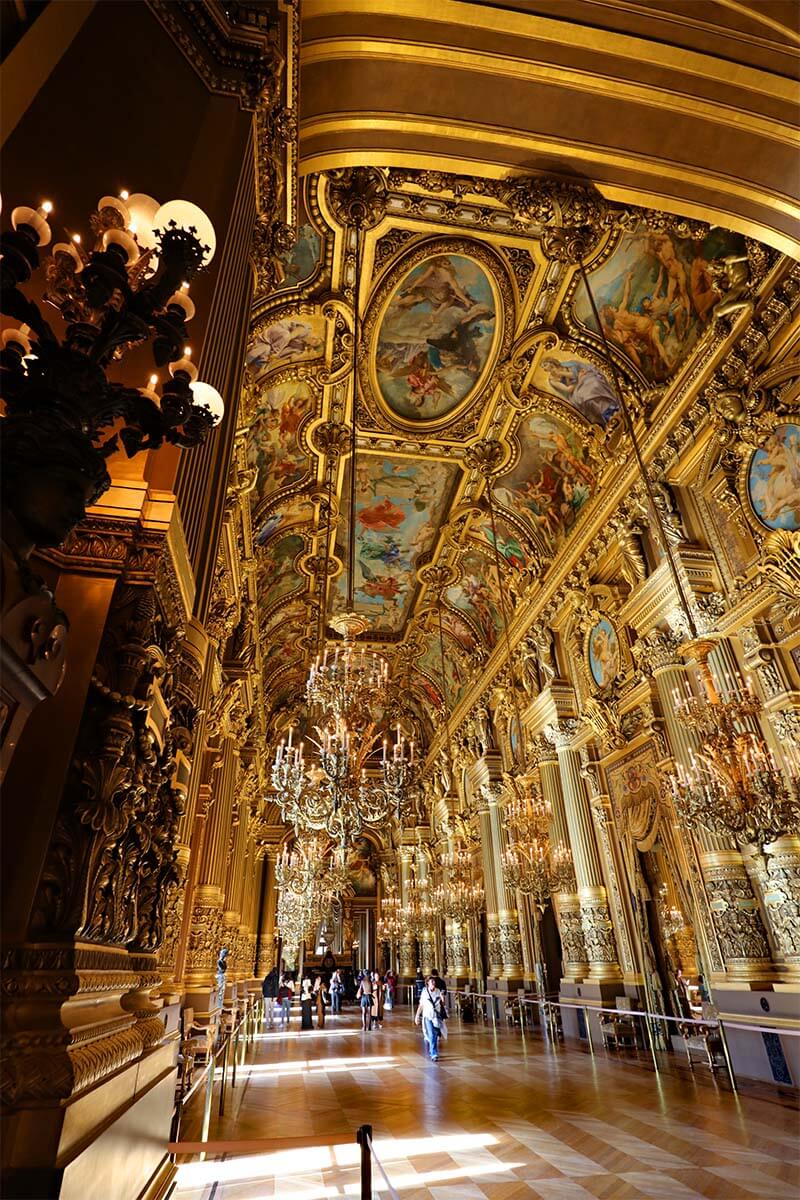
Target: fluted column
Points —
{"points": [[408, 945], [495, 964], [206, 934], [575, 965], [598, 929], [268, 900], [508, 917], [727, 912]]}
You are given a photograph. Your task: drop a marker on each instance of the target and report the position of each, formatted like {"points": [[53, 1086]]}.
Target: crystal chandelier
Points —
{"points": [[526, 866], [336, 791], [390, 922], [348, 683], [733, 785], [419, 912], [461, 896], [308, 881]]}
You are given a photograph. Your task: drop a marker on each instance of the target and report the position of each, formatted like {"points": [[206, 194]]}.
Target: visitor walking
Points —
{"points": [[364, 997], [269, 990], [285, 994], [388, 991], [432, 1013], [306, 1004], [419, 985], [337, 991]]}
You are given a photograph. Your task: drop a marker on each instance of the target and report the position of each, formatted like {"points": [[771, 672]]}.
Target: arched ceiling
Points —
{"points": [[690, 107], [473, 327]]}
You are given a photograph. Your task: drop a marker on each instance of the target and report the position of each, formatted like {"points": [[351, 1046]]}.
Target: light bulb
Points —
{"points": [[188, 216], [142, 209], [207, 398], [123, 195], [46, 207]]}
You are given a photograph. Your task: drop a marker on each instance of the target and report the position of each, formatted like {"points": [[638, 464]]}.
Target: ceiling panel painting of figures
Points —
{"points": [[289, 340], [456, 674], [436, 337], [656, 295], [399, 507], [273, 445], [476, 595], [276, 569], [551, 481]]}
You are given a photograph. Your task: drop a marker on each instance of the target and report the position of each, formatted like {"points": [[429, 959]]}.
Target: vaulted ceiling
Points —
{"points": [[473, 327]]}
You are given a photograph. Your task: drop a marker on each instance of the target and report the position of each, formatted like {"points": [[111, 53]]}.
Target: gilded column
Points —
{"points": [[598, 929], [495, 964], [508, 917], [778, 876], [575, 964], [408, 945]]}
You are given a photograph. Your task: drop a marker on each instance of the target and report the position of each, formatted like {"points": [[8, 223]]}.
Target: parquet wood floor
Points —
{"points": [[496, 1117]]}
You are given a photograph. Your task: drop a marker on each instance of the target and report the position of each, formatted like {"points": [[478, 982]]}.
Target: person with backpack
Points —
{"points": [[431, 1012]]}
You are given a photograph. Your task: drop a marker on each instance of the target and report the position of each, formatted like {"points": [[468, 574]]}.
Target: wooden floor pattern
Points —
{"points": [[495, 1117]]}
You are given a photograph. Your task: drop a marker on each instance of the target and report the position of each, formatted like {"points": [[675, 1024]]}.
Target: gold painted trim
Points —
{"points": [[584, 151], [329, 160], [529, 27], [501, 65]]}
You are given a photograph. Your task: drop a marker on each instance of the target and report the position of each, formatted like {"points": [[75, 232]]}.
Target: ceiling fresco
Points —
{"points": [[657, 293], [399, 507], [435, 337], [473, 326]]}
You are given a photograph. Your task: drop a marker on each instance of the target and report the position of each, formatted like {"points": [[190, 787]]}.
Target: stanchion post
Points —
{"points": [[224, 1076], [235, 1035], [727, 1053], [207, 1104], [588, 1030], [651, 1042], [364, 1137]]}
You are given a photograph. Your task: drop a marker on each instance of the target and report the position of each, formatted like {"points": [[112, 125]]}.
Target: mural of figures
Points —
{"points": [[458, 629], [292, 612], [399, 504], [773, 480], [579, 382], [300, 263], [456, 678], [656, 294], [436, 337], [474, 595], [297, 510], [551, 482], [277, 576], [508, 543], [283, 652], [603, 653], [292, 339], [362, 867], [272, 445]]}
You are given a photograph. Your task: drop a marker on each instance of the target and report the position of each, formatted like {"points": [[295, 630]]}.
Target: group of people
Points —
{"points": [[375, 994]]}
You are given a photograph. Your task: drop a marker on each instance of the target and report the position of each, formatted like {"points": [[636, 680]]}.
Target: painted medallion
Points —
{"points": [[773, 479], [435, 337], [603, 653]]}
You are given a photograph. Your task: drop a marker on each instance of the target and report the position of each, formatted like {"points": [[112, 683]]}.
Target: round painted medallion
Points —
{"points": [[436, 337], [773, 479]]}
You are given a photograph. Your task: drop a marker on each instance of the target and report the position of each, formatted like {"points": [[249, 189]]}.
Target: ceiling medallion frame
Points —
{"points": [[452, 426]]}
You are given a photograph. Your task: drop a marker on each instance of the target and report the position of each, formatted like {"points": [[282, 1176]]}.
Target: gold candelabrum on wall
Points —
{"points": [[733, 784]]}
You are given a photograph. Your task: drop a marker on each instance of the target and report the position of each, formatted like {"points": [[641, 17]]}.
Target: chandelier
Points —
{"points": [[309, 882], [340, 791], [461, 896], [733, 785], [349, 683], [390, 922], [64, 417], [420, 910]]}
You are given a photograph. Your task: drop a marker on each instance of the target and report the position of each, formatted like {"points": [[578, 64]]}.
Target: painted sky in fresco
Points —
{"points": [[399, 504], [587, 389], [277, 577], [273, 444], [656, 295], [290, 340], [435, 337], [455, 672]]}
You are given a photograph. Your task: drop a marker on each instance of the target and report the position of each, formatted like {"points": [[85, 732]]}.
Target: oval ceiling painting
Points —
{"points": [[436, 337]]}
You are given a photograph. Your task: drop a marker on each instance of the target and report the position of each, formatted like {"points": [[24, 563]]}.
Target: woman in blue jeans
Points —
{"points": [[432, 1013]]}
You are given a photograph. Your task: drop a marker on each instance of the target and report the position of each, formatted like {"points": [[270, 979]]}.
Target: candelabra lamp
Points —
{"points": [[64, 416], [733, 784]]}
